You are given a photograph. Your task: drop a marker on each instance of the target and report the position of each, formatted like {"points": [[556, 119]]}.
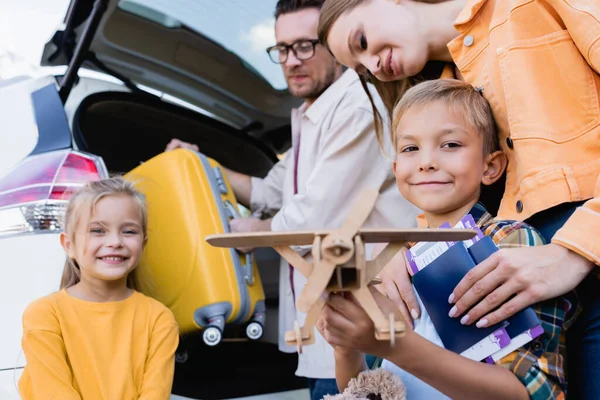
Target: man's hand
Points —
{"points": [[242, 225], [179, 144], [395, 284], [533, 274]]}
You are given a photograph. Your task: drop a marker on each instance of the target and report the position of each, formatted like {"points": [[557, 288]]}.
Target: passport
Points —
{"points": [[521, 321], [437, 280]]}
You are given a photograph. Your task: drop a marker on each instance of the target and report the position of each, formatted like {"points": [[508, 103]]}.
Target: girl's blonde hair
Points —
{"points": [[390, 92], [80, 209]]}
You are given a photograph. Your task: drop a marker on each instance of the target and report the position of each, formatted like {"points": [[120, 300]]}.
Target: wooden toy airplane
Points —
{"points": [[339, 263]]}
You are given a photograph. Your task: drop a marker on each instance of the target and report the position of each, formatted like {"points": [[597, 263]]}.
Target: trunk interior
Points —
{"points": [[126, 129]]}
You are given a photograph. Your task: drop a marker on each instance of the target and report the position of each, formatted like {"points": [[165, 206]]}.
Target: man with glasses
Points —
{"points": [[334, 155]]}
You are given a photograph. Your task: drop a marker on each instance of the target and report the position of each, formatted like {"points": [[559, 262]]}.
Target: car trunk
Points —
{"points": [[126, 129], [170, 53]]}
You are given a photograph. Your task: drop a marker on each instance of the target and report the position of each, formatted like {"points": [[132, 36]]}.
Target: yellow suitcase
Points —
{"points": [[206, 287]]}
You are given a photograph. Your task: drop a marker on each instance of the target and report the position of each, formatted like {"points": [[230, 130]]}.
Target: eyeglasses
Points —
{"points": [[303, 50]]}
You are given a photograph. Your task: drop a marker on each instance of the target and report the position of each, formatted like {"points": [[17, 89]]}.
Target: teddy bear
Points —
{"points": [[374, 384]]}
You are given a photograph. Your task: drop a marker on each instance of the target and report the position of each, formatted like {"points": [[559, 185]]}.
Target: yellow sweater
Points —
{"points": [[77, 349]]}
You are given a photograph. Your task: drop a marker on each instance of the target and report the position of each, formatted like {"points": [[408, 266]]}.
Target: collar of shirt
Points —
{"points": [[468, 12], [479, 213], [325, 101]]}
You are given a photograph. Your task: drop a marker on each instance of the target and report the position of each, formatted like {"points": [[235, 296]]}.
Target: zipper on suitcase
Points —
{"points": [[245, 305], [220, 180]]}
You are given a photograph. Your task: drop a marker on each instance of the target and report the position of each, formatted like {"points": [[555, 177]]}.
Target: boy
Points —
{"points": [[446, 148]]}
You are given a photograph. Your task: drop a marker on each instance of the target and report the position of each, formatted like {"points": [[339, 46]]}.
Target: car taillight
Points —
{"points": [[34, 194]]}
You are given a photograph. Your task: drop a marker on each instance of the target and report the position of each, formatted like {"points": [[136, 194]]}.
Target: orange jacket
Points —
{"points": [[538, 62]]}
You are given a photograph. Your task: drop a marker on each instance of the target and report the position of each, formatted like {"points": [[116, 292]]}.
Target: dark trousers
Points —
{"points": [[320, 387], [583, 337]]}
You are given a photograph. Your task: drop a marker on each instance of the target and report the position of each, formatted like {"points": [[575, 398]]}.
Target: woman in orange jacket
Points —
{"points": [[537, 62]]}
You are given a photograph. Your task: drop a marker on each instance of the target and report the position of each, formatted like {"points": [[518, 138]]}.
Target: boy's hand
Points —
{"points": [[395, 284], [346, 325], [341, 353], [533, 274]]}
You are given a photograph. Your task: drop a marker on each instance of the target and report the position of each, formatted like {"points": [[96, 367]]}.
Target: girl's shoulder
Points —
{"points": [[155, 308], [47, 302], [43, 312], [152, 303]]}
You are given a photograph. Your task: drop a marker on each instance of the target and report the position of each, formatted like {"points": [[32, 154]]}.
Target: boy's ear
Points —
{"points": [[66, 244], [495, 164]]}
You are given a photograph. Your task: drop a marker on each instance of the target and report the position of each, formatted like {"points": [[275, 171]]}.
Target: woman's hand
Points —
{"points": [[346, 325], [533, 274], [395, 284]]}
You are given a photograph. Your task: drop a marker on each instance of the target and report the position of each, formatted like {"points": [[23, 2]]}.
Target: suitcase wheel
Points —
{"points": [[254, 330], [212, 335]]}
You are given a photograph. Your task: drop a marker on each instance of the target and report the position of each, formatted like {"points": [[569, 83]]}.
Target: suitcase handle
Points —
{"points": [[248, 270]]}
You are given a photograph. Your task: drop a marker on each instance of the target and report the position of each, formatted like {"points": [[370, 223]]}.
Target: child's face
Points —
{"points": [[439, 161], [109, 247]]}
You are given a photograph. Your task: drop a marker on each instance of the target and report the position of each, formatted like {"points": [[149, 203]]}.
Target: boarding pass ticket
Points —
{"points": [[423, 253]]}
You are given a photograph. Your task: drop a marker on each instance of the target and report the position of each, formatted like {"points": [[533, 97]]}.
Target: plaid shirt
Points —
{"points": [[539, 364]]}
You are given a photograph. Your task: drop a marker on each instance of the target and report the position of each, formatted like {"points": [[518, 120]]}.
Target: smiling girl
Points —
{"points": [[99, 338]]}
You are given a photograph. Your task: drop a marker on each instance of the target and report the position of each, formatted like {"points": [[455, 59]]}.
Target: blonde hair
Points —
{"points": [[80, 209], [389, 92], [461, 98]]}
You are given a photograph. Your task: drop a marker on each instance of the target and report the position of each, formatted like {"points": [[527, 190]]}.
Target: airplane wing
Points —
{"points": [[264, 239], [372, 235], [369, 235]]}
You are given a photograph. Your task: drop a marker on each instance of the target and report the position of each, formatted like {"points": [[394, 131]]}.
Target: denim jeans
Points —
{"points": [[320, 387], [583, 337]]}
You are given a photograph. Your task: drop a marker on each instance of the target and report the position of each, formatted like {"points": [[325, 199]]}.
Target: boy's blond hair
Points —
{"points": [[80, 209], [461, 98]]}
